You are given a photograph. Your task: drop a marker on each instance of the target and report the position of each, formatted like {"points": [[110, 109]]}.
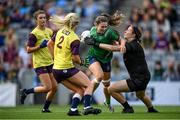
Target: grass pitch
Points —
{"points": [[59, 112]]}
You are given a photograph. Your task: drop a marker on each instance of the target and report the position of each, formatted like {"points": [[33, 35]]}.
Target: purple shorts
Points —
{"points": [[43, 69], [60, 75]]}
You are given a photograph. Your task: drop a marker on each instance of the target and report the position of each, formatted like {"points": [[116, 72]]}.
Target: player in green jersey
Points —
{"points": [[100, 59]]}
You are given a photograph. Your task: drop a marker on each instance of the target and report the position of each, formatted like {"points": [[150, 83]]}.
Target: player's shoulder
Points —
{"points": [[69, 34], [93, 28], [74, 36], [34, 31], [49, 30], [93, 31], [111, 30]]}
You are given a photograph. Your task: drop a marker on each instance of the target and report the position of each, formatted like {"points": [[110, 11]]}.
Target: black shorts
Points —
{"points": [[136, 84]]}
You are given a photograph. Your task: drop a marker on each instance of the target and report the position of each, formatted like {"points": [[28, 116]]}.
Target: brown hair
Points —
{"points": [[137, 32], [35, 15], [100, 19], [113, 20]]}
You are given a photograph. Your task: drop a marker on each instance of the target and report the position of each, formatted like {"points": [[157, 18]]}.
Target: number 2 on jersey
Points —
{"points": [[61, 39]]}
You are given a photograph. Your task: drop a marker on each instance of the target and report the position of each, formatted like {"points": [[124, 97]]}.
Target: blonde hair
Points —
{"points": [[70, 20]]}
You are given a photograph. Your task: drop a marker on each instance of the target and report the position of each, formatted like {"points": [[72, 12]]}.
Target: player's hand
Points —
{"points": [[122, 45], [43, 44], [122, 49], [91, 41], [85, 62]]}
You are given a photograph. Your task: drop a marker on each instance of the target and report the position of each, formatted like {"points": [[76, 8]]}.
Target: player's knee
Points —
{"points": [[99, 77], [80, 90], [95, 81], [47, 88], [110, 90], [106, 83], [54, 88]]}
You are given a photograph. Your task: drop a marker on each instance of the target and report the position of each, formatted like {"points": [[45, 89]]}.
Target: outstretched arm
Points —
{"points": [[109, 47], [90, 41], [93, 42]]}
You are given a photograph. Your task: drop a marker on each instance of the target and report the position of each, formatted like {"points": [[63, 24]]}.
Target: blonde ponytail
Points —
{"points": [[70, 20], [58, 21]]}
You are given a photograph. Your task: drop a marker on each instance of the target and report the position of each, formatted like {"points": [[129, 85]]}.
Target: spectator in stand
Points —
{"points": [[161, 42], [23, 7], [35, 6], [170, 73], [171, 14], [146, 23], [11, 36], [14, 70], [10, 52], [160, 23], [27, 22], [147, 40], [175, 41], [79, 8], [3, 23], [91, 9], [134, 17], [16, 18], [158, 71]]}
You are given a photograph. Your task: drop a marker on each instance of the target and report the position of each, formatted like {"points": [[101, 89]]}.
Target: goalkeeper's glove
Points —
{"points": [[91, 41], [43, 44], [85, 62]]}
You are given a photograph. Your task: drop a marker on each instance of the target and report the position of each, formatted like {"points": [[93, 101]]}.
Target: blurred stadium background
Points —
{"points": [[159, 19]]}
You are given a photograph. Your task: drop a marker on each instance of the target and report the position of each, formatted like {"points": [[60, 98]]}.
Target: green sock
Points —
{"points": [[108, 101]]}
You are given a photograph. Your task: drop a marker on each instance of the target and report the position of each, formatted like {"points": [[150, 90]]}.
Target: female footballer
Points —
{"points": [[42, 60], [64, 47]]}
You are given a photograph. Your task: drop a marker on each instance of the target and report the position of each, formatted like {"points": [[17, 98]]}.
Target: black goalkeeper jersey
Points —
{"points": [[135, 62]]}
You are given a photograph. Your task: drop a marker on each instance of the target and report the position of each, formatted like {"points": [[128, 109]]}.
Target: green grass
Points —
{"points": [[59, 112]]}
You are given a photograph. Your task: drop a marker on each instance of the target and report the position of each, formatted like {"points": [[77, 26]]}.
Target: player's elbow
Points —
{"points": [[28, 50], [76, 59]]}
